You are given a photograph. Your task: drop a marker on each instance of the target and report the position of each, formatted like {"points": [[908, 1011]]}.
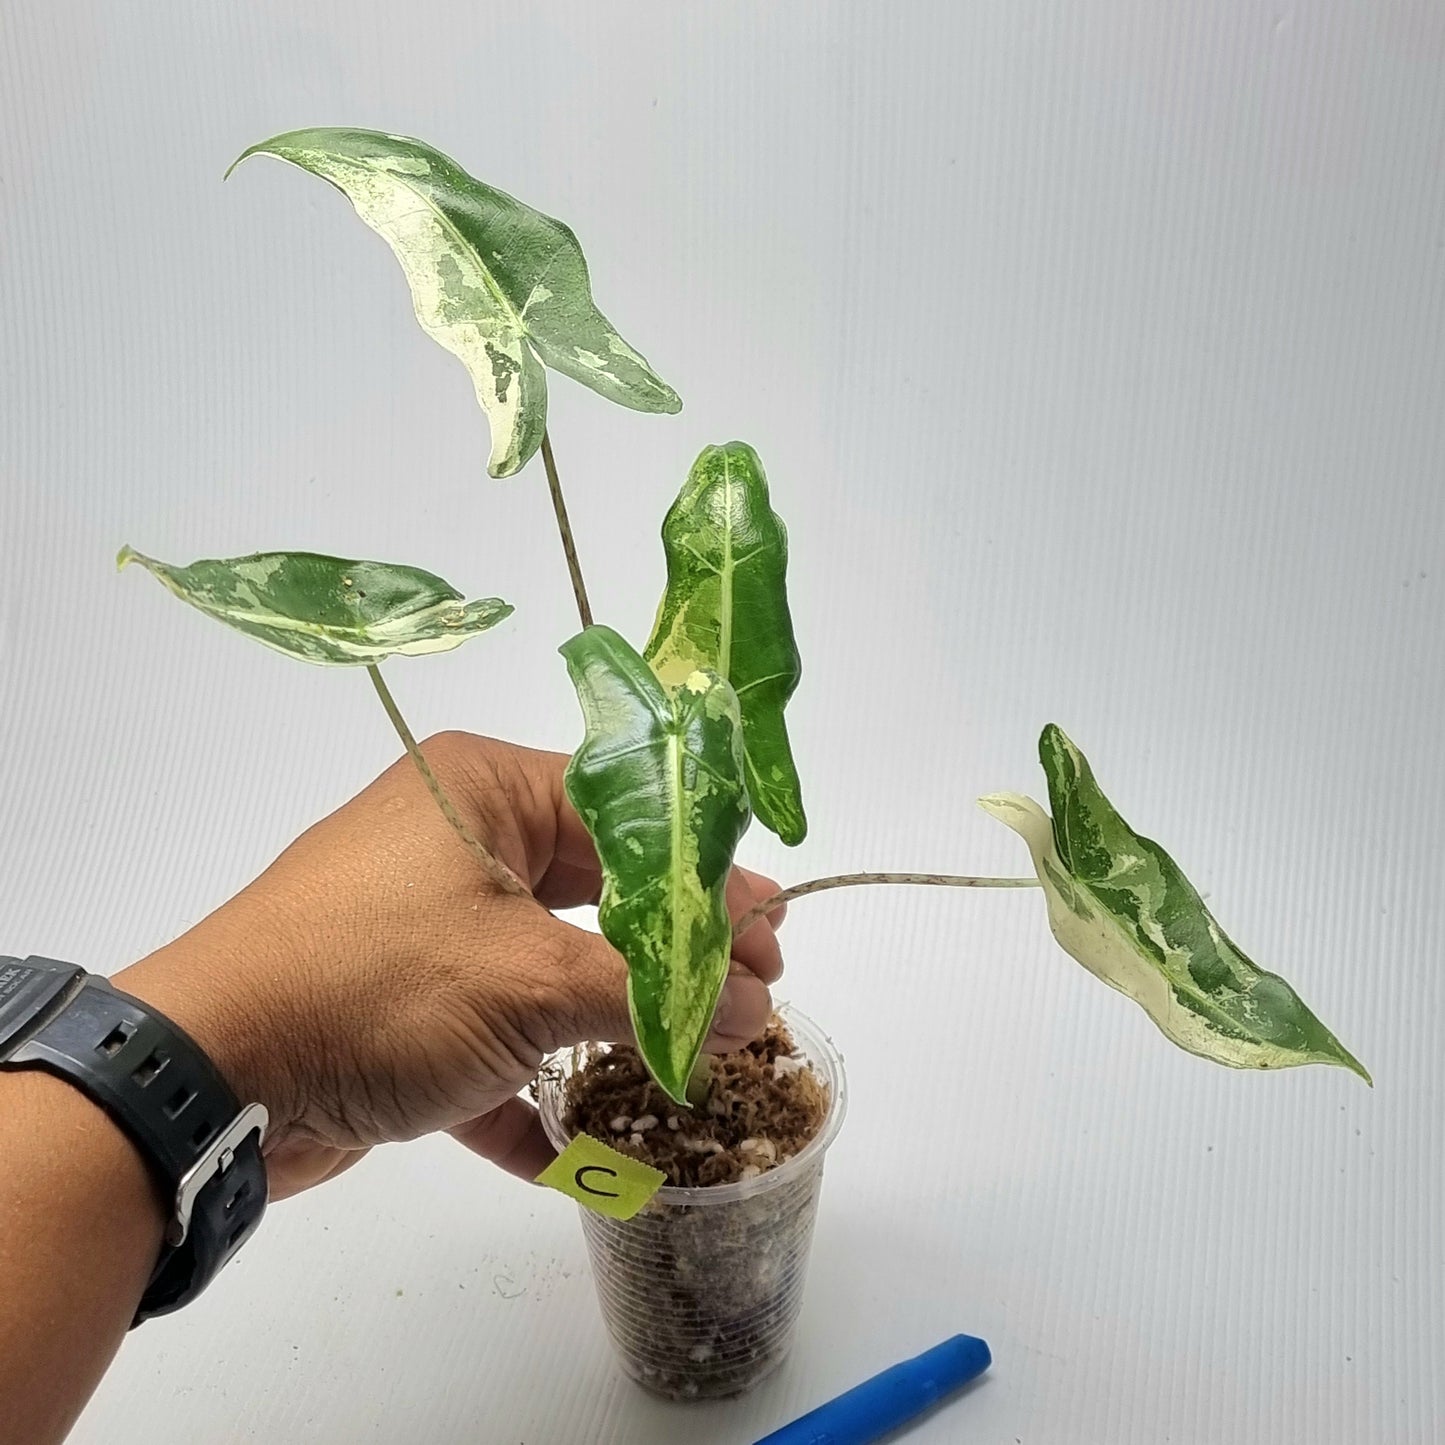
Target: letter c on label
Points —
{"points": [[596, 1169]]}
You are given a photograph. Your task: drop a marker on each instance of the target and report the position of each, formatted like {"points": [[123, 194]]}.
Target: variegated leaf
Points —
{"points": [[726, 609], [327, 609], [504, 288], [658, 782], [1119, 904]]}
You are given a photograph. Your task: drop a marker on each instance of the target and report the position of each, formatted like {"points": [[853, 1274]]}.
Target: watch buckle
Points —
{"points": [[219, 1156]]}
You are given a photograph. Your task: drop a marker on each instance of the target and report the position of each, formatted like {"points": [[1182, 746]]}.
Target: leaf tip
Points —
{"points": [[781, 812], [1053, 741], [1349, 1061], [507, 463], [996, 805], [125, 557], [275, 145], [245, 155]]}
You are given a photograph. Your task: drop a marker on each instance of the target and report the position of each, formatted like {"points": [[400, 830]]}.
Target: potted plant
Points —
{"points": [[699, 1250]]}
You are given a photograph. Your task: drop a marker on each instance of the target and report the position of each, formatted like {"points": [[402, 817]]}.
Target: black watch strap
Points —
{"points": [[162, 1089]]}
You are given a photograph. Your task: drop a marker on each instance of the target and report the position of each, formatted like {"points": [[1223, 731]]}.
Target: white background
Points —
{"points": [[1097, 356]]}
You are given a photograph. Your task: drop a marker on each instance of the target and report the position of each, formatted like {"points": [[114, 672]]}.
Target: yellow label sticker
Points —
{"points": [[602, 1179]]}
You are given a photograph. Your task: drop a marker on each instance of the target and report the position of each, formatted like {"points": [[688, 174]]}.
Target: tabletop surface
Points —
{"points": [[1096, 357]]}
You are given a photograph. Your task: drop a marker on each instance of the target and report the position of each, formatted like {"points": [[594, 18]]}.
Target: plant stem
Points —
{"points": [[564, 528], [493, 866], [853, 880], [699, 1082]]}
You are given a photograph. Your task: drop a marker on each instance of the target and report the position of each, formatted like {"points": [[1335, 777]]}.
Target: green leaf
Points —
{"points": [[1119, 904], [726, 609], [328, 609], [501, 286], [658, 783]]}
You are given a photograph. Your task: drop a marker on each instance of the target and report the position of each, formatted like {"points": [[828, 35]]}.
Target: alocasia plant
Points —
{"points": [[686, 740]]}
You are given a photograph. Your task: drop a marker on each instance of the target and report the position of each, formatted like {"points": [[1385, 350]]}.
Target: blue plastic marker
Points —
{"points": [[877, 1406]]}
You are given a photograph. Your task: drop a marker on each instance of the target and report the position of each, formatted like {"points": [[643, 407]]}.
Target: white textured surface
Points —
{"points": [[1096, 355]]}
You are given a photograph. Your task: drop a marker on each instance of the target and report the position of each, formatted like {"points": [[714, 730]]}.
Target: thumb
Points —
{"points": [[590, 987]]}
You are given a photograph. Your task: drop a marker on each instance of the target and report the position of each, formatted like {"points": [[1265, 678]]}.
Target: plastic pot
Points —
{"points": [[700, 1291]]}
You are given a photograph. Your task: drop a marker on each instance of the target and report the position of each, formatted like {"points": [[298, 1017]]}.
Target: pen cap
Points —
{"points": [[880, 1405]]}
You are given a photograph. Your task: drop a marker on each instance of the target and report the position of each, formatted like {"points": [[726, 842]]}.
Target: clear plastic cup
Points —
{"points": [[701, 1289]]}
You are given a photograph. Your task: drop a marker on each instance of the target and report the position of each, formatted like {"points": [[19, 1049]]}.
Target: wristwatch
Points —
{"points": [[159, 1086]]}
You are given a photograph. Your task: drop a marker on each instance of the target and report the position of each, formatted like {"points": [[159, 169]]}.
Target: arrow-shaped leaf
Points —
{"points": [[658, 783], [726, 609], [1119, 904], [328, 609], [501, 286]]}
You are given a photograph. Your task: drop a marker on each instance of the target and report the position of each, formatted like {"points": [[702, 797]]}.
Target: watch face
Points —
{"points": [[27, 989], [13, 974]]}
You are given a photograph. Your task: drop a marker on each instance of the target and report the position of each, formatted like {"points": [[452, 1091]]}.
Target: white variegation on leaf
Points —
{"points": [[1119, 905], [328, 610], [502, 287]]}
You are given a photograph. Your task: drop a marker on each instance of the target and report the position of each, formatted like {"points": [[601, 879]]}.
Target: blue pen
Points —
{"points": [[870, 1410]]}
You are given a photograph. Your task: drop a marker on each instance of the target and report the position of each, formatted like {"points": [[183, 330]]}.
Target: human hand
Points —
{"points": [[373, 984]]}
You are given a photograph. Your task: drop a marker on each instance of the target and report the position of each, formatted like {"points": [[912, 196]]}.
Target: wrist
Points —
{"points": [[84, 1222], [203, 985], [55, 1130]]}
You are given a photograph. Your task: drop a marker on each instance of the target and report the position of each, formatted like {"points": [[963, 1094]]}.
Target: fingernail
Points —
{"points": [[744, 1009]]}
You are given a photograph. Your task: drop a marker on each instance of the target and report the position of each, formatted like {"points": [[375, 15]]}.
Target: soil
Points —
{"points": [[763, 1105]]}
